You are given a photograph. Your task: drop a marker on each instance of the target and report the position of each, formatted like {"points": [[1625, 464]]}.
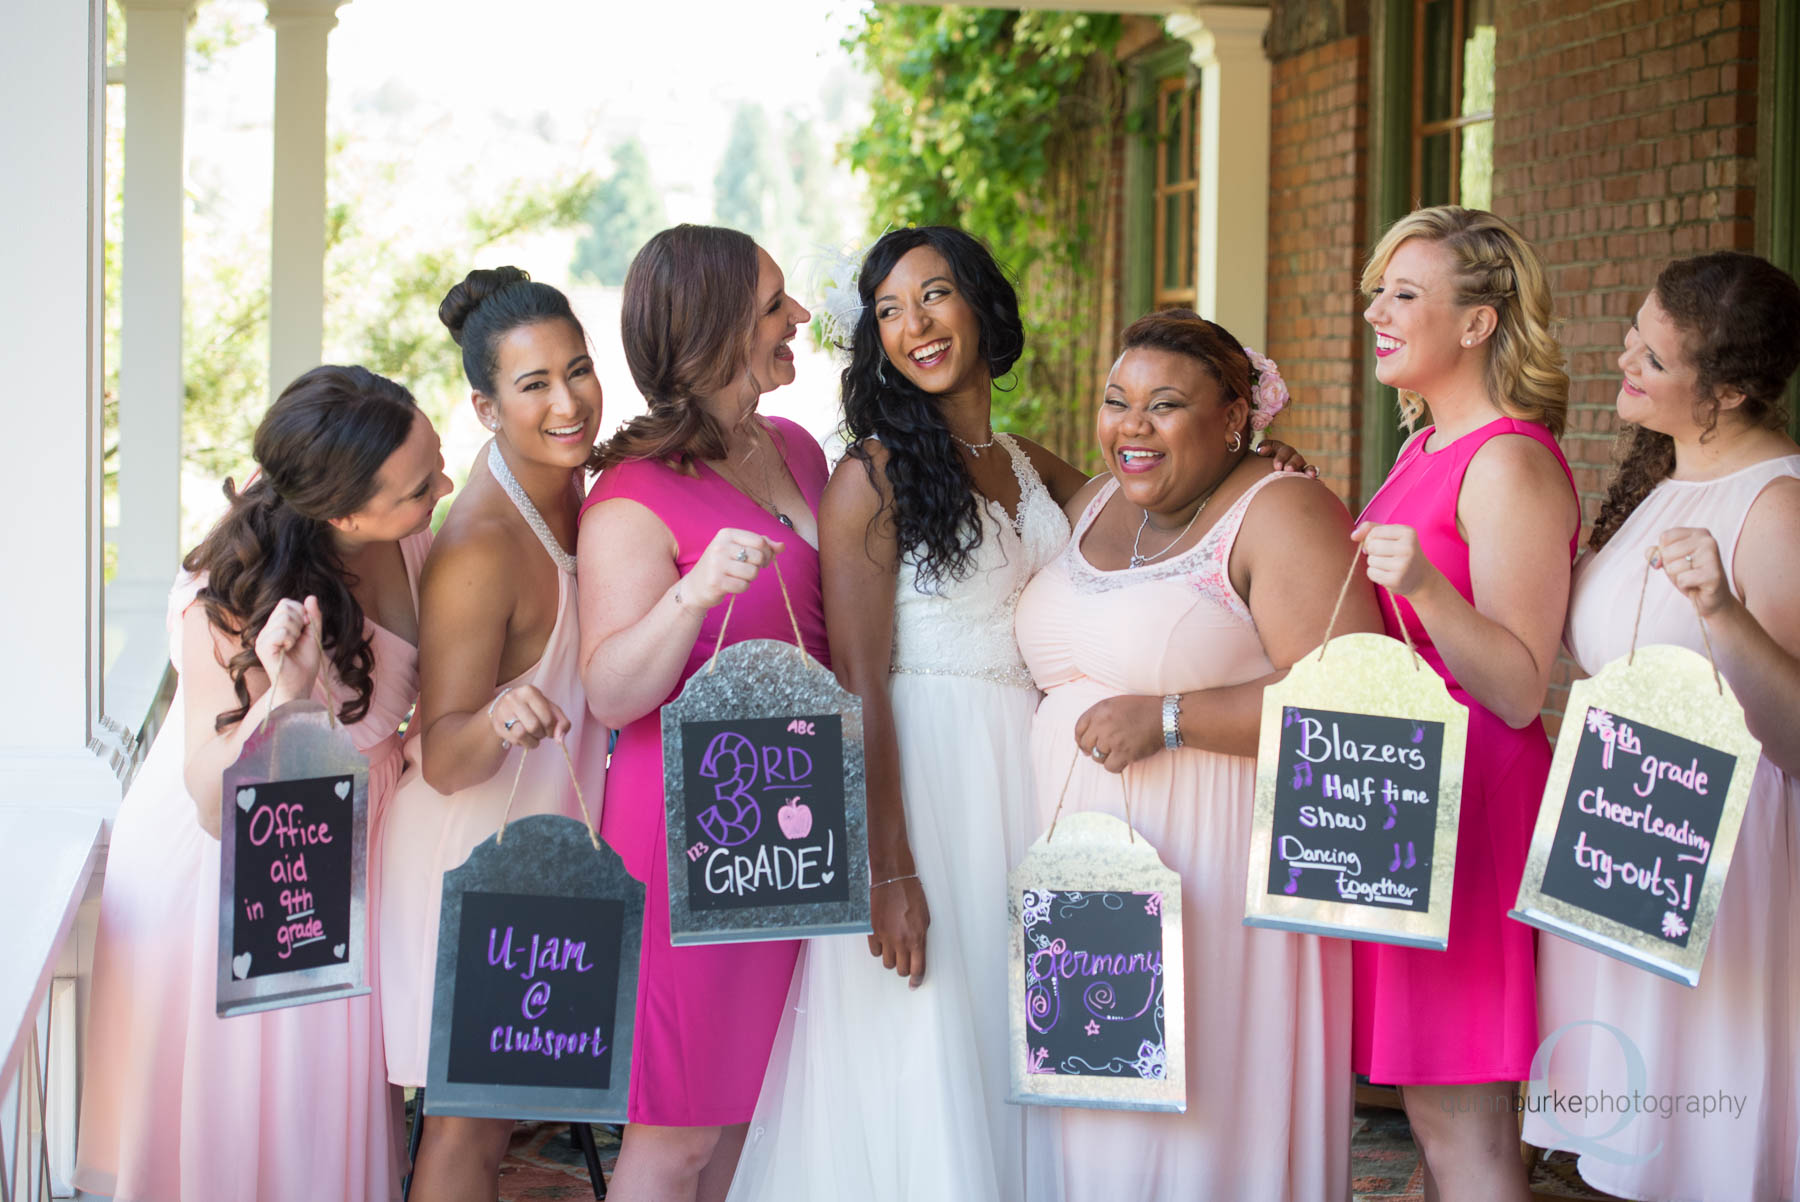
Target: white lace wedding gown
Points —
{"points": [[875, 1091]]}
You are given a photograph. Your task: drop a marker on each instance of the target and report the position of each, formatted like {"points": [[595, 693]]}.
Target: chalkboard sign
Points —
{"points": [[1647, 789], [763, 765], [293, 865], [1096, 999], [533, 1009], [1358, 786]]}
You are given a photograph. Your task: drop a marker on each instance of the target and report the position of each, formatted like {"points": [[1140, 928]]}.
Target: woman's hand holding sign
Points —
{"points": [[1691, 559], [524, 716], [288, 648], [728, 566]]}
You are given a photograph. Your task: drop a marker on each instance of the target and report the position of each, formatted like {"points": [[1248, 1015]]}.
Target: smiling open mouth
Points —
{"points": [[932, 353]]}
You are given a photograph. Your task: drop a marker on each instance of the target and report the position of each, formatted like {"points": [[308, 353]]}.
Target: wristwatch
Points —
{"points": [[1172, 721]]}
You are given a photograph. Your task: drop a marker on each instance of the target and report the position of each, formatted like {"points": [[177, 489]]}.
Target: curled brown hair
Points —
{"points": [[1492, 265], [320, 449], [1185, 332], [1740, 320], [689, 308]]}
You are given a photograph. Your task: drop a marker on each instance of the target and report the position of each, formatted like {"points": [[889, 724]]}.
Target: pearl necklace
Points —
{"points": [[528, 511], [978, 446]]}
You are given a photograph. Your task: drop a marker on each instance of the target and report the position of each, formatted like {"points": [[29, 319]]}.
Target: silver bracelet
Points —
{"points": [[496, 700], [911, 876], [1172, 721]]}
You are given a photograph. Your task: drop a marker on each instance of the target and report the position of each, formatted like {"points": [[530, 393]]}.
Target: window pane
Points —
{"points": [[1189, 228], [1438, 61], [1477, 166], [1478, 57], [1170, 276], [1434, 169], [1188, 105]]}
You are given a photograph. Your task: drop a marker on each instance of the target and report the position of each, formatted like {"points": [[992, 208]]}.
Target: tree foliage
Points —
{"points": [[970, 125], [624, 210]]}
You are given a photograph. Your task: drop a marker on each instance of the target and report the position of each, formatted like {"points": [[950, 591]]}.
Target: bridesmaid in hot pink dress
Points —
{"points": [[693, 501], [1473, 532], [289, 1105], [1711, 479]]}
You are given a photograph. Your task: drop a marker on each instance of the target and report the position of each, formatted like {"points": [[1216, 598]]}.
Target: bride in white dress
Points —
{"points": [[930, 529]]}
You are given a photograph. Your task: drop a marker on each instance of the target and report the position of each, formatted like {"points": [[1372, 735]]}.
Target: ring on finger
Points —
{"points": [[1690, 560], [510, 723], [1097, 753], [743, 555]]}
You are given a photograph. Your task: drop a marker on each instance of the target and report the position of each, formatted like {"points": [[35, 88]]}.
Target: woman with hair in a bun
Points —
{"points": [[1473, 533], [498, 669], [321, 549], [1193, 580], [694, 500], [1709, 484]]}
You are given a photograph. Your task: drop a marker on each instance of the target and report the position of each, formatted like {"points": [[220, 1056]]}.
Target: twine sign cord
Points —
{"points": [[1653, 560], [280, 663], [1344, 591], [587, 821], [712, 661], [1124, 797]]}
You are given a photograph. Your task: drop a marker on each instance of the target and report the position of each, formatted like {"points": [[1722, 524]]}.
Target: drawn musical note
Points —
{"points": [[1418, 735], [1303, 774], [1289, 715], [1395, 866], [1411, 859], [1293, 885], [1393, 815]]}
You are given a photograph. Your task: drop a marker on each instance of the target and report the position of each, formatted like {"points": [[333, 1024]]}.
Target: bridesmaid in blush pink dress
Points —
{"points": [[288, 1105], [693, 501], [498, 676], [1473, 533], [1710, 477], [1196, 574]]}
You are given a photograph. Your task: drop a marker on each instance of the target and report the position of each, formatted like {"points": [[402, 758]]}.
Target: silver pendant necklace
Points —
{"points": [[781, 517], [1138, 561], [528, 511]]}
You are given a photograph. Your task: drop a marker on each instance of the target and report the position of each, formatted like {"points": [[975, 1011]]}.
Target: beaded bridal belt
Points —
{"points": [[1016, 676]]}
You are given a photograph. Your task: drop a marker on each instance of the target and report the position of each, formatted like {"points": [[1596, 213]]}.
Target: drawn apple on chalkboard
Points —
{"points": [[795, 818]]}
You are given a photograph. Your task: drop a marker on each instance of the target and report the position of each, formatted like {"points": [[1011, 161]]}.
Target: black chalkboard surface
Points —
{"points": [[532, 1015], [768, 825], [765, 818], [536, 990], [292, 875], [1356, 808], [293, 864], [1094, 984], [1640, 815], [1639, 819]]}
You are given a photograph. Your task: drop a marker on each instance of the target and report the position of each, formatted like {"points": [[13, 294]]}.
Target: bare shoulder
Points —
{"points": [[1775, 513], [858, 487], [1305, 509], [1516, 459], [475, 552]]}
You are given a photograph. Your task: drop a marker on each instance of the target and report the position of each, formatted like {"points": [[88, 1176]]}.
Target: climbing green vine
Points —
{"points": [[971, 125]]}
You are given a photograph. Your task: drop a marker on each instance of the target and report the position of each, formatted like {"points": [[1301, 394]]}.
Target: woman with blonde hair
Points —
{"points": [[1473, 533]]}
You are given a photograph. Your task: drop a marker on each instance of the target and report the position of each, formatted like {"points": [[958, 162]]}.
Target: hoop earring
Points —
{"points": [[1237, 442]]}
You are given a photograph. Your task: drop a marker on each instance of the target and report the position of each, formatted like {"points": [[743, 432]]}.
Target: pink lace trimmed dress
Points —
{"points": [[1466, 1014], [179, 1105], [1730, 1045], [430, 833], [707, 1015], [1268, 1012]]}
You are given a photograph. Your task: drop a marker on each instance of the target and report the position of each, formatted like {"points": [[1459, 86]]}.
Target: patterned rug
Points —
{"points": [[544, 1164]]}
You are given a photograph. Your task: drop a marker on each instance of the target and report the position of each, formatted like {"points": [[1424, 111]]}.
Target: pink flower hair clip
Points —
{"points": [[1268, 391]]}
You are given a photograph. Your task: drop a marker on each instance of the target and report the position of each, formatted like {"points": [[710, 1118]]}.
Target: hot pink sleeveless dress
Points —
{"points": [[706, 1016], [179, 1105], [1468, 1013]]}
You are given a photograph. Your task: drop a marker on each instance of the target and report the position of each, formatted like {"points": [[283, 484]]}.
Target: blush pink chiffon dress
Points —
{"points": [[179, 1105], [1267, 1012], [706, 1015], [1730, 1045], [1468, 1013]]}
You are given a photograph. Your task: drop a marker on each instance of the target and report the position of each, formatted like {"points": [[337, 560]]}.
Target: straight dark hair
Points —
{"points": [[689, 309], [320, 449]]}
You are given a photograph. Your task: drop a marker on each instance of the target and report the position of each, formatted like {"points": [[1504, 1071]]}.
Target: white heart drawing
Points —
{"points": [[827, 876], [240, 966], [338, 951], [343, 788], [246, 798]]}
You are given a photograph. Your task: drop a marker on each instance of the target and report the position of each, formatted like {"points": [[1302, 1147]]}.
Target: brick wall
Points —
{"points": [[1624, 137], [1317, 216]]}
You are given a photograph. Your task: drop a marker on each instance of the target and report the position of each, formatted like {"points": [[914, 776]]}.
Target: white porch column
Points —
{"points": [[1234, 163], [150, 379], [297, 215], [52, 98]]}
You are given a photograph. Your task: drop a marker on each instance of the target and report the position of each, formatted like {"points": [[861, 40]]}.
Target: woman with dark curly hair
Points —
{"points": [[1708, 485], [305, 588], [929, 530]]}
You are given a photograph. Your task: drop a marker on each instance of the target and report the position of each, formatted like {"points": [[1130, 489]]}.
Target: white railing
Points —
{"points": [[46, 862]]}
